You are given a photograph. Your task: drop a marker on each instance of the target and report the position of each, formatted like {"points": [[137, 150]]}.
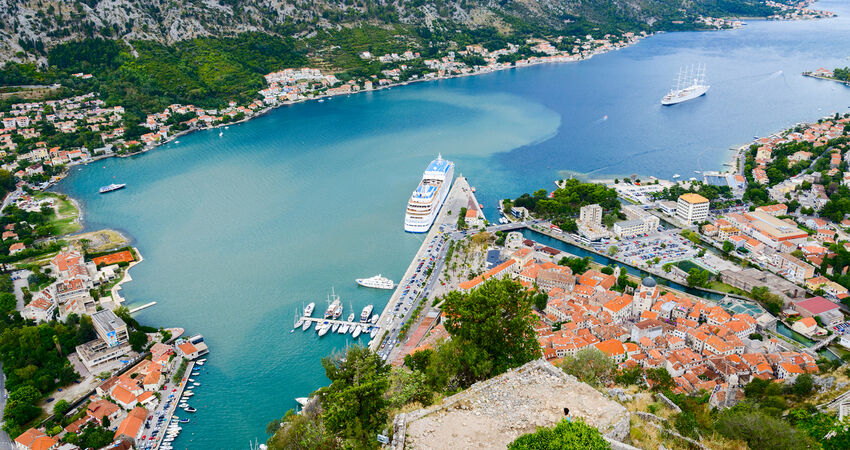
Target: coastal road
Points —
{"points": [[5, 440], [11, 198]]}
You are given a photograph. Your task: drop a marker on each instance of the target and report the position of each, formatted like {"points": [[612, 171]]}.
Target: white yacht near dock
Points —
{"points": [[428, 198], [367, 312], [689, 85], [334, 307], [377, 282], [308, 310]]}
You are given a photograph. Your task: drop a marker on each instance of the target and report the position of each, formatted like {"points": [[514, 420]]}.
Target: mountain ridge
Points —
{"points": [[29, 28]]}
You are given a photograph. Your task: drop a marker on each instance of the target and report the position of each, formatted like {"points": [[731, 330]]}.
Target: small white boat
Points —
{"points": [[323, 330], [199, 364], [196, 373], [374, 332], [375, 319], [351, 317], [192, 380], [307, 324], [335, 327], [676, 175], [190, 387], [308, 310], [196, 384], [188, 394], [176, 142], [357, 331], [302, 400], [344, 329], [189, 409]]}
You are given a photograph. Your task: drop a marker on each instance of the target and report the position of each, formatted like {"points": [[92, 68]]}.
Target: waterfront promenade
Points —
{"points": [[390, 321], [168, 412]]}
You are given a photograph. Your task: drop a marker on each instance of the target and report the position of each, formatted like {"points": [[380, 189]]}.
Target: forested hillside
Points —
{"points": [[29, 28]]}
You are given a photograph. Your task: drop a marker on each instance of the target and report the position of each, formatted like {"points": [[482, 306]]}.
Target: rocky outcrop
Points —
{"points": [[492, 413]]}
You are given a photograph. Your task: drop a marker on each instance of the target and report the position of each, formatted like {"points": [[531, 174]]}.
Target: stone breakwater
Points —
{"points": [[494, 412]]}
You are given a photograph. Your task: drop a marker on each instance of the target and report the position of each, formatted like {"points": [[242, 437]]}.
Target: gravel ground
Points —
{"points": [[493, 413]]}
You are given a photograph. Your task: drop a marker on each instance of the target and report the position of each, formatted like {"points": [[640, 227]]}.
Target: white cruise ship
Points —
{"points": [[429, 196], [377, 282], [689, 85]]}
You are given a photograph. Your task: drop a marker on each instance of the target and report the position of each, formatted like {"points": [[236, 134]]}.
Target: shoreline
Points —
{"points": [[116, 297], [323, 96]]}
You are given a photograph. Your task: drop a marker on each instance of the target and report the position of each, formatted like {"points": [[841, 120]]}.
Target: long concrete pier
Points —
{"points": [[146, 305], [390, 321]]}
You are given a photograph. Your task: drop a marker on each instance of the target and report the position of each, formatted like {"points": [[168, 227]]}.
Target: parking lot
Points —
{"points": [[414, 288], [667, 246]]}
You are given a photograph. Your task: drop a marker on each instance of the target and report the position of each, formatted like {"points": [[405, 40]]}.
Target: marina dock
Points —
{"points": [[319, 320]]}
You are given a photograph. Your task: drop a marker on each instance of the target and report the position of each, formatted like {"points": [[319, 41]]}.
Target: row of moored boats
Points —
{"points": [[332, 324], [174, 428]]}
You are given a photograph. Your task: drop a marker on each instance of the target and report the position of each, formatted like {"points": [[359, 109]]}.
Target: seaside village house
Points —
{"points": [[128, 400], [70, 292], [701, 345]]}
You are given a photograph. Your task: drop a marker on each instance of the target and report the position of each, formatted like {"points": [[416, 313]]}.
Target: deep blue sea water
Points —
{"points": [[240, 230]]}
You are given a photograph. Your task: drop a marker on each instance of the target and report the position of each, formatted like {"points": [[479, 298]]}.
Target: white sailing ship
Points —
{"points": [[689, 85]]}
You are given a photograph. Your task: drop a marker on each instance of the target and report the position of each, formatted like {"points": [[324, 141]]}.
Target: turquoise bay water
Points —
{"points": [[239, 231]]}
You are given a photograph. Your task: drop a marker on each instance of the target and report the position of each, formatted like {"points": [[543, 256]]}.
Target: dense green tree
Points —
{"points": [[61, 407], [577, 265], [419, 360], [354, 408], [772, 302], [590, 366], [760, 430], [566, 435], [138, 340], [8, 302], [831, 433], [304, 431], [566, 201], [497, 319], [408, 386], [803, 385], [94, 436], [698, 277]]}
